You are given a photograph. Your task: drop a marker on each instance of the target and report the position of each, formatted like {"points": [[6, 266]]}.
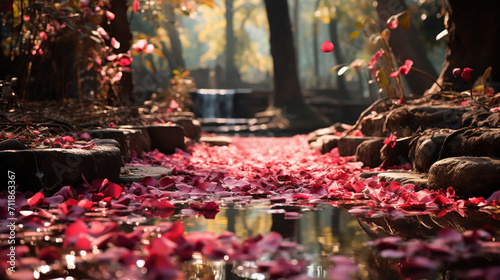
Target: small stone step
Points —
{"points": [[216, 140], [368, 152], [131, 174], [325, 143], [129, 138], [474, 142], [192, 127], [404, 177], [52, 168], [469, 176], [348, 145], [166, 138]]}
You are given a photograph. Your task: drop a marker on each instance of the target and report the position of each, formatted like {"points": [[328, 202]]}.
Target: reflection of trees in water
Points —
{"points": [[252, 221]]}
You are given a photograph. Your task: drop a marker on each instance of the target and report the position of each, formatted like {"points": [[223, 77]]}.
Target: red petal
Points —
{"points": [[327, 46], [36, 199], [113, 190]]}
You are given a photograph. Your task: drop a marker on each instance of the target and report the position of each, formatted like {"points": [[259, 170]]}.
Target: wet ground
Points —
{"points": [[262, 208]]}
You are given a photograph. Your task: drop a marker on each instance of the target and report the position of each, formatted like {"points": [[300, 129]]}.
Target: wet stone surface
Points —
{"points": [[52, 169], [469, 176], [404, 177], [130, 174]]}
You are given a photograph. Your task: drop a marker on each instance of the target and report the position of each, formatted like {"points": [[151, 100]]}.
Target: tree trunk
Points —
{"points": [[232, 74], [176, 61], [315, 46], [119, 29], [287, 94], [286, 82], [472, 41], [296, 22], [405, 45], [338, 55]]}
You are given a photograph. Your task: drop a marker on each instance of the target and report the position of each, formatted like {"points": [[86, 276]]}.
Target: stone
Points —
{"points": [[166, 138], [406, 120], [426, 151], [331, 130], [324, 144], [216, 140], [131, 174], [473, 142], [368, 152], [11, 144], [404, 177], [192, 127], [469, 176], [348, 145], [137, 138], [51, 169], [472, 118], [373, 124], [129, 138], [492, 120], [397, 155]]}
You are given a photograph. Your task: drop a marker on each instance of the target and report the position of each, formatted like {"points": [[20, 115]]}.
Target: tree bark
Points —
{"points": [[286, 82], [176, 61], [232, 74], [119, 29], [338, 55], [472, 42], [405, 45], [287, 93], [296, 22], [315, 46]]}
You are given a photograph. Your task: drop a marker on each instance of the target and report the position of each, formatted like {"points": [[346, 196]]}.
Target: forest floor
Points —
{"points": [[102, 230]]}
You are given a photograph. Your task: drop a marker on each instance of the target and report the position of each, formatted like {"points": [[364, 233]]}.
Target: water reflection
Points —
{"points": [[323, 231]]}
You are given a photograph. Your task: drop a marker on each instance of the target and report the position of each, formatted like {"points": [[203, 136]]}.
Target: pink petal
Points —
{"points": [[113, 190], [115, 43], [327, 46], [36, 199], [110, 15], [150, 48], [135, 6]]}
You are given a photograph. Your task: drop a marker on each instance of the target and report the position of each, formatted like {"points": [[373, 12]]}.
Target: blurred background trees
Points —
{"points": [[223, 44]]}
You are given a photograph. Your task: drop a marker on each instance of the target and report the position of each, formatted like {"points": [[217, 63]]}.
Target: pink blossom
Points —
{"points": [[375, 57], [393, 24], [466, 74], [140, 45], [43, 35], [403, 69]]}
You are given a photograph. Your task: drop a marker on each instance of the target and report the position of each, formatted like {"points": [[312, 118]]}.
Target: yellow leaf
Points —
{"points": [[149, 65], [404, 21], [358, 25], [382, 78], [336, 67], [325, 19], [175, 72], [386, 33], [159, 53], [486, 74], [354, 34], [479, 88]]}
